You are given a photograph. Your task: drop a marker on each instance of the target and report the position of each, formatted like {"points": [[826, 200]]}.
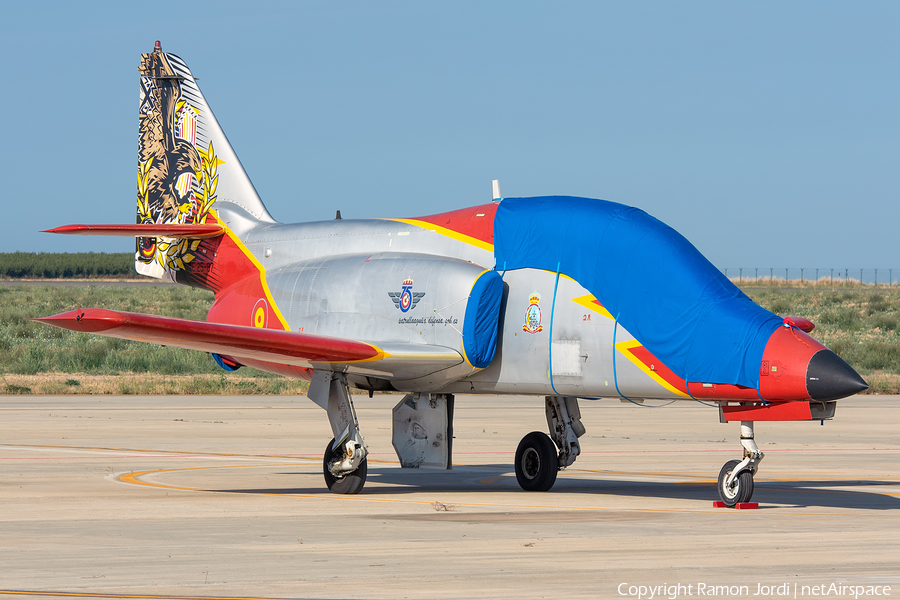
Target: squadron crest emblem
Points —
{"points": [[406, 299], [533, 314]]}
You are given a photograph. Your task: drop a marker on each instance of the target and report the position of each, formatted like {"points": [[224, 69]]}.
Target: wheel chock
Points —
{"points": [[739, 505]]}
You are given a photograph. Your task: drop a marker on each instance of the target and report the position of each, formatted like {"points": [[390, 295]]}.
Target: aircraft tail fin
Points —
{"points": [[186, 167]]}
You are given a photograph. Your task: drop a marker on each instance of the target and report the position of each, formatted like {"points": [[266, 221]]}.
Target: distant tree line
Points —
{"points": [[61, 265]]}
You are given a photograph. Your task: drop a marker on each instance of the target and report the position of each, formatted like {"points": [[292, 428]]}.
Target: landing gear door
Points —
{"points": [[423, 431]]}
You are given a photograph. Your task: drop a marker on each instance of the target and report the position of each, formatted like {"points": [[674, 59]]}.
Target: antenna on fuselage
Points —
{"points": [[495, 190]]}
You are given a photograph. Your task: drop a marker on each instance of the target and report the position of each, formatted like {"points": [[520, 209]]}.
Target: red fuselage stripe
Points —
{"points": [[467, 221]]}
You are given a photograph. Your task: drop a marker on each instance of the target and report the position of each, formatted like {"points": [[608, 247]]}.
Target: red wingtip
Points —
{"points": [[88, 320], [62, 229]]}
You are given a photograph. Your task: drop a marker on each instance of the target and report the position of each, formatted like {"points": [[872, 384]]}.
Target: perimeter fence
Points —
{"points": [[814, 276]]}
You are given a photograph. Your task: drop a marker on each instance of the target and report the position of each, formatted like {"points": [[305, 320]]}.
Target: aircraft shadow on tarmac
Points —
{"points": [[485, 478]]}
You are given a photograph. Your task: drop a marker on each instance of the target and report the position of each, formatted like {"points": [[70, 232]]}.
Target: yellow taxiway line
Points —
{"points": [[134, 478]]}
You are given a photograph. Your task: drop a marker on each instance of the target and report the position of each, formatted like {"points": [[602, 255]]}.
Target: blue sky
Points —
{"points": [[766, 132]]}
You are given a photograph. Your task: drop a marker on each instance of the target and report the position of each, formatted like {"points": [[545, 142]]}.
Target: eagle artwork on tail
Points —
{"points": [[168, 163]]}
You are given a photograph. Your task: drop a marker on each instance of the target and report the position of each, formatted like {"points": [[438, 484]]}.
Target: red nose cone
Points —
{"points": [[782, 374], [795, 366]]}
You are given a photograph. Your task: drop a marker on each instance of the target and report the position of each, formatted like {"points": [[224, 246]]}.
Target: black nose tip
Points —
{"points": [[828, 377]]}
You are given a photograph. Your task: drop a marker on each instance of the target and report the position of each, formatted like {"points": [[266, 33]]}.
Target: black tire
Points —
{"points": [[349, 483], [741, 491], [536, 462]]}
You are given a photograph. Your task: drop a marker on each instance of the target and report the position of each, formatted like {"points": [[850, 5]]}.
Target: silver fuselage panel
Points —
{"points": [[341, 278]]}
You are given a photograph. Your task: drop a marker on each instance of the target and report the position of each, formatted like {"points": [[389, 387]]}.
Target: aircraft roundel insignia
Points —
{"points": [[260, 313]]}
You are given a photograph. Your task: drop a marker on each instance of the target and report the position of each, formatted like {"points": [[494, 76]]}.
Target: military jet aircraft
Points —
{"points": [[562, 297]]}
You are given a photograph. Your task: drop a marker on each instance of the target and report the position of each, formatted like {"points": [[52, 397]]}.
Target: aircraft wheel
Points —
{"points": [[350, 483], [741, 489], [536, 462]]}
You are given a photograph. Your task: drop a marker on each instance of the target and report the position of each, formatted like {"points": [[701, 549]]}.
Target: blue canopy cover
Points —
{"points": [[648, 276]]}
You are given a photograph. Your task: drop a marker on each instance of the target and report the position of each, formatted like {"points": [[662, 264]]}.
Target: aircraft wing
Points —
{"points": [[188, 230], [399, 360]]}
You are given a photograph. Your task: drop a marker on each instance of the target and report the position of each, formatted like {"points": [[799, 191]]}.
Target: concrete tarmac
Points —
{"points": [[202, 497]]}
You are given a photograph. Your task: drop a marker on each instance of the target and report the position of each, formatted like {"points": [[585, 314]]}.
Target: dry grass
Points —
{"points": [[859, 322], [882, 383], [149, 384]]}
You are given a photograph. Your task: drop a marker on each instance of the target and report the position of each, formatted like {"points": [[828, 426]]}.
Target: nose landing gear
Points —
{"points": [[741, 487], [736, 477]]}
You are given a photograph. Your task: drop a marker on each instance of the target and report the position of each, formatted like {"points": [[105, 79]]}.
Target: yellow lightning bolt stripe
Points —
{"points": [[590, 302], [624, 348], [262, 273], [460, 237]]}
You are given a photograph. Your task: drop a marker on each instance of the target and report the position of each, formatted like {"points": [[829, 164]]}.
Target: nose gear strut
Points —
{"points": [[736, 477]]}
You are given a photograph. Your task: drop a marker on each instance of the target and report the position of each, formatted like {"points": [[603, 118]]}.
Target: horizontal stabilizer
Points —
{"points": [[148, 230], [255, 343]]}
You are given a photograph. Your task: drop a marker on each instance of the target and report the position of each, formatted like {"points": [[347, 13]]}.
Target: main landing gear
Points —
{"points": [[338, 479], [537, 458], [536, 462], [736, 477], [344, 465]]}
